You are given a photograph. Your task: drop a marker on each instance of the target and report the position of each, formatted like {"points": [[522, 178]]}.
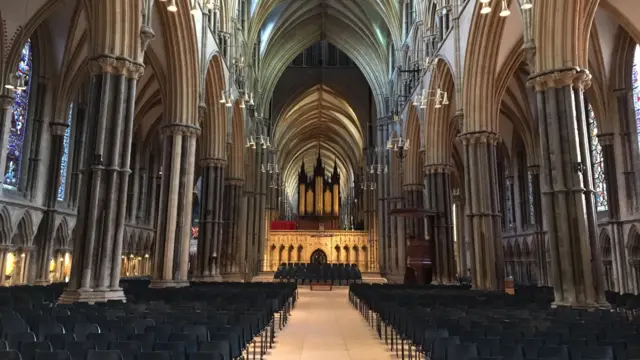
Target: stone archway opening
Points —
{"points": [[318, 256]]}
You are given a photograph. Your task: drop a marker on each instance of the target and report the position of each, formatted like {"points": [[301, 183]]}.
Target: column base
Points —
{"points": [[210, 278], [395, 278], [233, 277], [91, 296], [162, 284], [42, 282], [585, 306]]}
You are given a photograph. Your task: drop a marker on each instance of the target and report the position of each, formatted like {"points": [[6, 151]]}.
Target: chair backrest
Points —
{"points": [[221, 346], [10, 355], [128, 349], [28, 349], [104, 355], [178, 350], [14, 339], [210, 355], [154, 355], [82, 330], [461, 352], [53, 355]]}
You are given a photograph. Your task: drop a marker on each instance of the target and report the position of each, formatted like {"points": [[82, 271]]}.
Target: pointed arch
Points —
{"points": [[440, 128], [214, 126], [5, 226], [413, 170], [236, 161]]}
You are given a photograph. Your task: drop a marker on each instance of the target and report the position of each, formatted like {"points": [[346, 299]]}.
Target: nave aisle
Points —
{"points": [[324, 326]]}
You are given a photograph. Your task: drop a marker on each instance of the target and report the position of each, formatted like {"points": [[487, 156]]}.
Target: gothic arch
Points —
{"points": [[214, 127], [62, 235], [440, 127], [236, 160], [413, 173], [5, 226], [23, 235], [480, 69]]}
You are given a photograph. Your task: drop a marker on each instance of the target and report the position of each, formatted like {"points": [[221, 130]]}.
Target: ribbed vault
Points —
{"points": [[359, 28], [318, 118]]}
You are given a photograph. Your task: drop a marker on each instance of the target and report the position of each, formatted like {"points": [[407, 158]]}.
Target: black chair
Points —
{"points": [[104, 355], [10, 355], [210, 355], [53, 355]]}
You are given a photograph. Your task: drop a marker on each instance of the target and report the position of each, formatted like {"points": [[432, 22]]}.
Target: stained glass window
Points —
{"points": [[597, 162], [65, 157], [636, 88], [532, 199], [18, 128]]}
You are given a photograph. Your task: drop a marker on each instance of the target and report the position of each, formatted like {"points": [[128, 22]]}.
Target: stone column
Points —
{"points": [[483, 228], [463, 264], [173, 229], [99, 232], [5, 118], [620, 275], [210, 252], [142, 205], [438, 182], [234, 189], [566, 186], [135, 193], [540, 250], [30, 176], [47, 229]]}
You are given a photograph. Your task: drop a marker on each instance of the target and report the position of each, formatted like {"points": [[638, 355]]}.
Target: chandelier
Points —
{"points": [[210, 4], [440, 96], [486, 7], [16, 83], [227, 99]]}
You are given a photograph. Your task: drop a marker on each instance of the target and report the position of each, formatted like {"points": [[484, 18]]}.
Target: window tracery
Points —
{"points": [[65, 157], [20, 111], [597, 162], [635, 76]]}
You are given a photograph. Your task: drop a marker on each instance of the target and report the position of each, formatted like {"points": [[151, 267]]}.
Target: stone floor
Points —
{"points": [[324, 326]]}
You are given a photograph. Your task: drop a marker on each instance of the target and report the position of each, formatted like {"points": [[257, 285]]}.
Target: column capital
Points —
{"points": [[212, 162], [413, 187], [180, 130], [534, 169], [605, 139], [235, 181], [559, 78], [480, 137], [437, 168], [203, 111], [116, 65], [58, 128], [458, 120], [6, 101]]}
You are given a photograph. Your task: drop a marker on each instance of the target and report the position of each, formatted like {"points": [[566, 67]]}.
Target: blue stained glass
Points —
{"points": [[62, 181], [636, 87], [18, 128], [532, 199], [597, 162]]}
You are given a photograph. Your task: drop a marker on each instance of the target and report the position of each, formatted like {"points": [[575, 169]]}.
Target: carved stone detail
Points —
{"points": [[146, 35], [480, 137], [180, 130], [576, 77], [438, 168], [213, 162], [605, 139], [58, 127], [116, 65]]}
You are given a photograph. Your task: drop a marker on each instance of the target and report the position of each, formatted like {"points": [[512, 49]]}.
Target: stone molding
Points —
{"points": [[203, 111], [480, 137], [180, 130], [212, 162], [534, 169], [116, 65], [605, 139], [438, 168], [458, 120], [559, 78], [6, 101], [58, 128], [413, 187], [234, 181]]}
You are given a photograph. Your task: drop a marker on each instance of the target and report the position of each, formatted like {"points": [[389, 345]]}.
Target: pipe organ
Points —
{"points": [[318, 195]]}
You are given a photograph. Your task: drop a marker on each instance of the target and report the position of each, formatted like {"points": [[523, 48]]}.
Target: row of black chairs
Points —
{"points": [[201, 322], [454, 323], [309, 273]]}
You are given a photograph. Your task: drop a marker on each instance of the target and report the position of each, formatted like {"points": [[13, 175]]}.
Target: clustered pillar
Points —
{"points": [[438, 186], [46, 231], [567, 191], [173, 231], [211, 252], [542, 273], [95, 275], [233, 190], [483, 228]]}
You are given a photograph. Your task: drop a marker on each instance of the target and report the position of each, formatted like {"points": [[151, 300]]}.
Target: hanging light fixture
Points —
{"points": [[194, 8], [12, 83], [486, 8], [526, 5], [22, 85], [172, 6], [505, 9]]}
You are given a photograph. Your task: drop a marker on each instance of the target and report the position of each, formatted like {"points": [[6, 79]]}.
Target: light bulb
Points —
{"points": [[229, 104], [415, 101], [263, 169], [505, 9], [526, 5], [445, 101], [194, 8], [242, 104], [484, 1], [223, 99], [485, 8], [423, 104], [172, 6]]}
